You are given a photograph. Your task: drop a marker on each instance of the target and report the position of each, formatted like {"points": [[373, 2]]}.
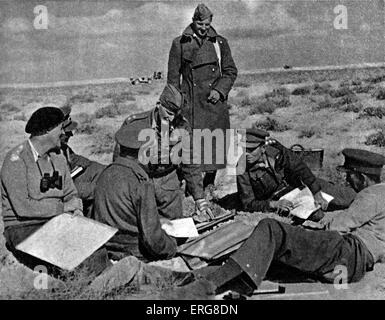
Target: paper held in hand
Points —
{"points": [[66, 241], [180, 228], [303, 201]]}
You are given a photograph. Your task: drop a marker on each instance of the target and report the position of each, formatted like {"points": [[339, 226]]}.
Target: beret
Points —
{"points": [[202, 13], [44, 120], [255, 136], [362, 161], [171, 98], [127, 135]]}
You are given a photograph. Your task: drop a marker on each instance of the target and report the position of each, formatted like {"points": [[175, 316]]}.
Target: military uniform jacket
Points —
{"points": [[22, 201], [191, 172], [200, 70], [257, 185], [125, 199]]}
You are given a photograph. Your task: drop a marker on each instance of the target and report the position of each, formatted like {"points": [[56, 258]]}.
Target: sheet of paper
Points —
{"points": [[180, 228], [326, 196], [303, 202], [66, 241]]}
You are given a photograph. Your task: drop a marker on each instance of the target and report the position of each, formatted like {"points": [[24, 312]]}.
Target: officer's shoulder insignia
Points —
{"points": [[16, 153]]}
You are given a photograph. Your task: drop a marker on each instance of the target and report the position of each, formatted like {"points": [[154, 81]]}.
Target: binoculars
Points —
{"points": [[51, 182]]}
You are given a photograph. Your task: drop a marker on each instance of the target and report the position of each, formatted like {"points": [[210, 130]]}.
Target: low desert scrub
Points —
{"points": [[363, 88], [307, 132], [104, 142], [373, 112], [120, 97], [9, 107], [262, 106], [376, 79], [242, 84], [301, 91], [321, 88], [340, 92], [82, 97], [379, 94], [352, 107], [376, 139], [277, 93], [20, 117], [271, 124]]}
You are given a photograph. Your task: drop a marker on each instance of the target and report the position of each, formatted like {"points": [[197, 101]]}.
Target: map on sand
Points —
{"points": [[66, 241]]}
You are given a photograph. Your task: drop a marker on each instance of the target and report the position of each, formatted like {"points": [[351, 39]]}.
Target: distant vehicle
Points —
{"points": [[286, 66], [135, 81], [157, 75]]}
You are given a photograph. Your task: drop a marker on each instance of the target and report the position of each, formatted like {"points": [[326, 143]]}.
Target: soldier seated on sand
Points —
{"points": [[353, 238], [272, 170], [125, 199], [88, 171], [36, 184]]}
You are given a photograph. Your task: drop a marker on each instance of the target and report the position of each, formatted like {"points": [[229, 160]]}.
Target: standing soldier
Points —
{"points": [[203, 60], [169, 195]]}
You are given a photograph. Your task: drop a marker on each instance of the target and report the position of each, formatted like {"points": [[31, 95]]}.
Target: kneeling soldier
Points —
{"points": [[169, 196]]}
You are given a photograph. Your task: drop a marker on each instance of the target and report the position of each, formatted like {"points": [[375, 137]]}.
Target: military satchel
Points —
{"points": [[313, 157]]}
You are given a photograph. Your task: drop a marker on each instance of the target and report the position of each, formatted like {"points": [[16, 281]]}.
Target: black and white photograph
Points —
{"points": [[217, 151]]}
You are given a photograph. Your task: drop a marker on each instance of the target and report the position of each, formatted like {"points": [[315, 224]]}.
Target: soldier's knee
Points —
{"points": [[268, 224]]}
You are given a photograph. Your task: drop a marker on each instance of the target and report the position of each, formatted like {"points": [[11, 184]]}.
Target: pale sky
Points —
{"points": [[107, 39]]}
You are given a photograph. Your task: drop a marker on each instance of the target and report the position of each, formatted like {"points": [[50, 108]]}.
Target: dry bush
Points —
{"points": [[271, 124], [345, 100], [110, 111], [340, 92], [307, 132], [379, 94], [321, 88], [301, 91], [82, 97], [378, 112], [352, 107], [324, 103], [363, 88], [9, 107], [259, 106], [120, 97], [278, 98], [277, 93], [376, 79], [241, 84], [104, 142], [376, 139], [20, 117]]}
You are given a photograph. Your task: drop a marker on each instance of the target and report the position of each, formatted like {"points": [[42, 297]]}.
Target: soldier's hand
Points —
{"points": [[313, 225], [282, 205], [214, 96], [202, 208], [319, 199], [77, 213]]}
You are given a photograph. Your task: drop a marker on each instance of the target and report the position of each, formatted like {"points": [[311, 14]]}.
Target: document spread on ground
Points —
{"points": [[66, 241], [180, 228], [303, 202]]}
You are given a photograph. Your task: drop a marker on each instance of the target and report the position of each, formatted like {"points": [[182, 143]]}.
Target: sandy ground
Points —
{"points": [[330, 128]]}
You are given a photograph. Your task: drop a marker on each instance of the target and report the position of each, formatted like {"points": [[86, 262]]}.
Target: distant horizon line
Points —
{"points": [[69, 83]]}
